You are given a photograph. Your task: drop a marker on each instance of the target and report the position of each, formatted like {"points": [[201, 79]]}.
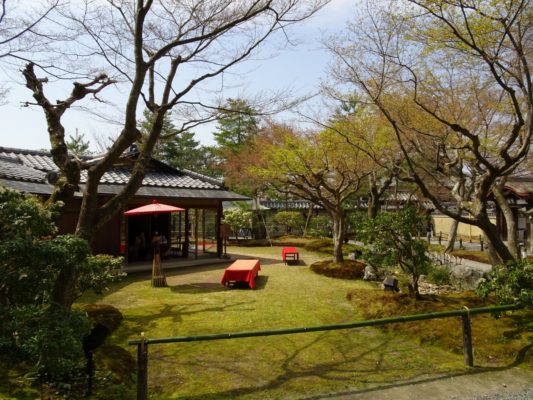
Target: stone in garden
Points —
{"points": [[466, 277], [370, 274]]}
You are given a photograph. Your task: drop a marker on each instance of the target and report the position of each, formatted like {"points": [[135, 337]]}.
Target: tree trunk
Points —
{"points": [[376, 192], [338, 234], [452, 236], [308, 219], [493, 257], [373, 203], [413, 287], [479, 218], [510, 221], [64, 292], [501, 251]]}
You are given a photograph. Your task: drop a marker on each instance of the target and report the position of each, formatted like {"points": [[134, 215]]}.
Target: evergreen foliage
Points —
{"points": [[32, 327], [77, 145], [179, 148], [391, 242], [511, 283], [237, 123]]}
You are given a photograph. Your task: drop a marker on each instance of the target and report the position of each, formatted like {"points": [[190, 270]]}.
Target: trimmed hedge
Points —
{"points": [[103, 314], [348, 269]]}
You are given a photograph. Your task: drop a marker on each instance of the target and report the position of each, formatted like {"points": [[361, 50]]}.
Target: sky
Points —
{"points": [[298, 69]]}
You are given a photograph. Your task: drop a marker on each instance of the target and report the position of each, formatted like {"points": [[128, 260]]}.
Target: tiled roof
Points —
{"points": [[405, 197], [11, 169], [37, 159], [32, 166], [522, 188], [289, 204], [170, 192]]}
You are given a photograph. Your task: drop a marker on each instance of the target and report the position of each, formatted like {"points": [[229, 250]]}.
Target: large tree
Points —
{"points": [[161, 51], [365, 129], [20, 32], [177, 148], [237, 123], [319, 167], [453, 79], [236, 131]]}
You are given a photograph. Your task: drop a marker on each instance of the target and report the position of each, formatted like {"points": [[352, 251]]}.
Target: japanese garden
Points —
{"points": [[371, 237]]}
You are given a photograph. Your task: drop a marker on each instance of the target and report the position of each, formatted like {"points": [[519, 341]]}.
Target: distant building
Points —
{"points": [[32, 171]]}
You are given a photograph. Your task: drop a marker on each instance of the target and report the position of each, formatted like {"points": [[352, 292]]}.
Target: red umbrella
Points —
{"points": [[154, 208], [158, 278]]}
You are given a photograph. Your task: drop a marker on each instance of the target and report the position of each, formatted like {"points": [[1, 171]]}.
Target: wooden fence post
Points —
{"points": [[142, 369], [467, 339]]}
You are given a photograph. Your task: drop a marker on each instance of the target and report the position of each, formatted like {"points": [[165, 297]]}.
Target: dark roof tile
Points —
{"points": [[32, 165], [13, 169]]}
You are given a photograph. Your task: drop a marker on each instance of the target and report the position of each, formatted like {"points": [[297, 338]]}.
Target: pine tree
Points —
{"points": [[179, 149], [237, 123], [77, 145]]}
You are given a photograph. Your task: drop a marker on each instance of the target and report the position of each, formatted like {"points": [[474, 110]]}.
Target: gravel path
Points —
{"points": [[508, 384], [526, 394]]}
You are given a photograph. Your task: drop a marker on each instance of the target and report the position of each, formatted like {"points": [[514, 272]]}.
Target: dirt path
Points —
{"points": [[513, 383]]}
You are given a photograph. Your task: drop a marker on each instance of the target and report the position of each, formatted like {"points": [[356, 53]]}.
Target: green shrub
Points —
{"points": [[320, 226], [511, 283], [439, 275], [390, 240], [289, 221], [290, 241], [50, 338], [237, 219], [103, 314]]}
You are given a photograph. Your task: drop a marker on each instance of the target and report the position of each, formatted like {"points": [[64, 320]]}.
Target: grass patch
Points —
{"points": [[348, 269], [496, 341], [276, 367], [474, 255]]}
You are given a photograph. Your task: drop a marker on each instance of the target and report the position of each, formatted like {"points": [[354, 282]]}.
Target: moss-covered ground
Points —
{"points": [[300, 365]]}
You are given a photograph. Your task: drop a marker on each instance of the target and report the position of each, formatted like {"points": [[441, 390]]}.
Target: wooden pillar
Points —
{"points": [[467, 340], [187, 232], [142, 369], [203, 230], [124, 239], [180, 239], [218, 232], [196, 220]]}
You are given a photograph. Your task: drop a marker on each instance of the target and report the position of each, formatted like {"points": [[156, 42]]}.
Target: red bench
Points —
{"points": [[242, 271], [290, 255]]}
